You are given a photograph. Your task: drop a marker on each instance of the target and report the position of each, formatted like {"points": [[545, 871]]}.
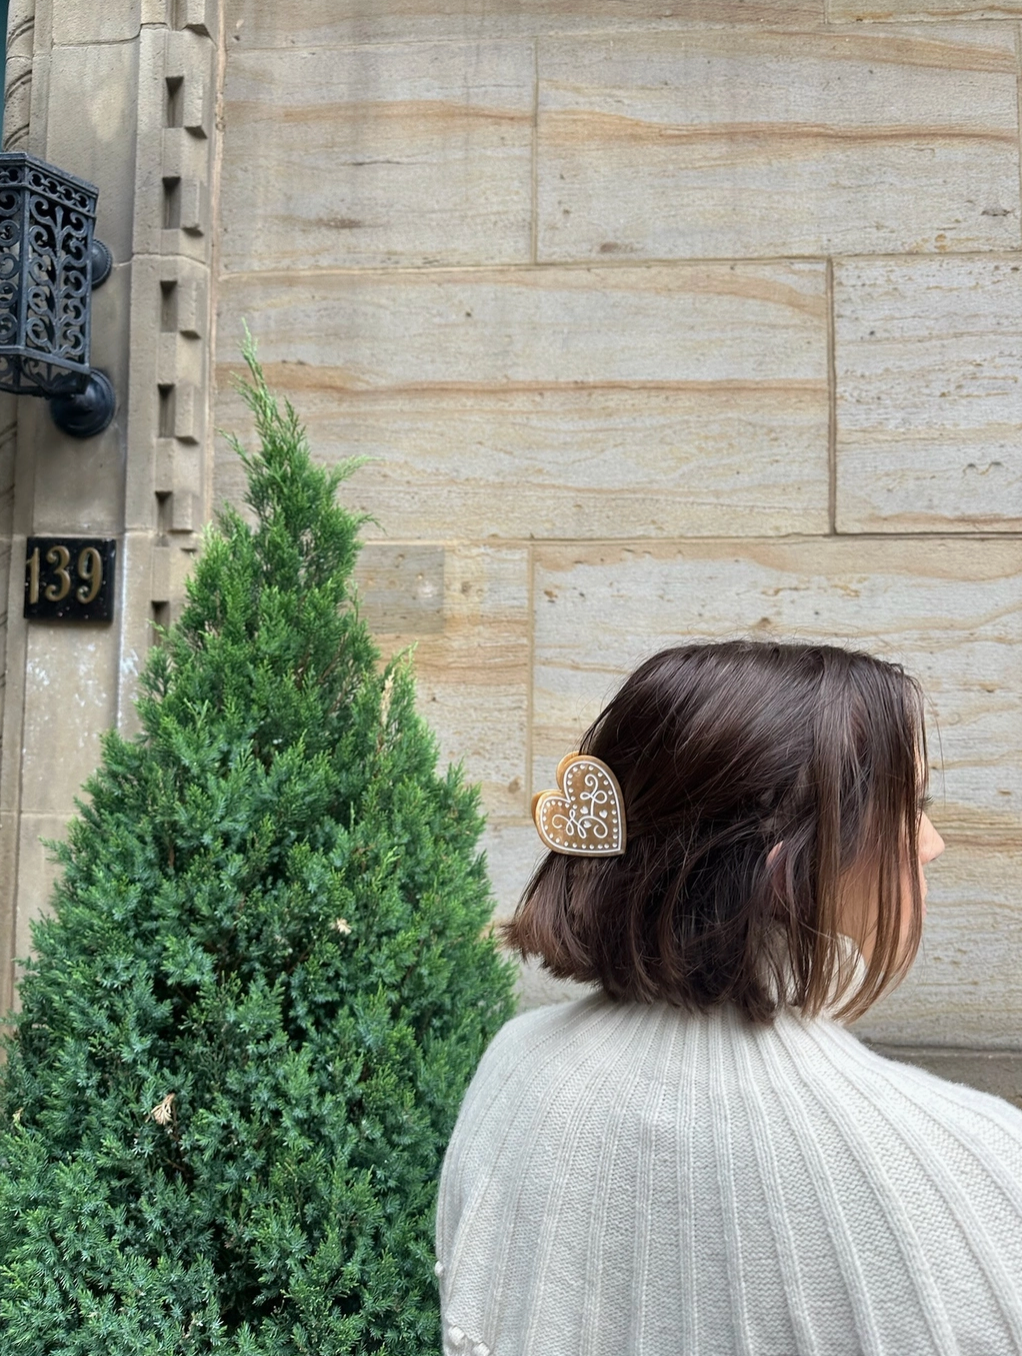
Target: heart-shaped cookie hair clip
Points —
{"points": [[585, 817]]}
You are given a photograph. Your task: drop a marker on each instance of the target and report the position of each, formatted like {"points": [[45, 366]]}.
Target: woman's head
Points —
{"points": [[773, 797]]}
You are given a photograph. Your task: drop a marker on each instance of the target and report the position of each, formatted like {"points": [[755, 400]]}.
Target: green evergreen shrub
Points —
{"points": [[264, 985]]}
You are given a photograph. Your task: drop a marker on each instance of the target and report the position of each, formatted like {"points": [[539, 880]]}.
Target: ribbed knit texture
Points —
{"points": [[627, 1180]]}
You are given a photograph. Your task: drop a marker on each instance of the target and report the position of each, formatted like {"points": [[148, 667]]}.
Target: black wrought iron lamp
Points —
{"points": [[50, 262]]}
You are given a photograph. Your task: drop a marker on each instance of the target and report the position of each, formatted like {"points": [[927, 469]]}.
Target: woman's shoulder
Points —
{"points": [[639, 1060], [955, 1107], [844, 1048], [547, 1028], [905, 1134]]}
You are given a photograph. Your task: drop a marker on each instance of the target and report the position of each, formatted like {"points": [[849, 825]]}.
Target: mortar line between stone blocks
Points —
{"points": [[588, 265], [640, 544], [531, 544], [831, 407], [1018, 107], [534, 167], [749, 30], [530, 686], [102, 42]]}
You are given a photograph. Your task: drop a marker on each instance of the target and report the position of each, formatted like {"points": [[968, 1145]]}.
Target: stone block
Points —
{"points": [[96, 21], [94, 137], [719, 144], [326, 23], [949, 609], [513, 851], [70, 700], [33, 137], [401, 588], [189, 416], [184, 287], [201, 16], [472, 676], [966, 984], [186, 159], [181, 361], [191, 89], [150, 120], [37, 873], [78, 485], [161, 587], [630, 401], [928, 358], [186, 201], [417, 154]]}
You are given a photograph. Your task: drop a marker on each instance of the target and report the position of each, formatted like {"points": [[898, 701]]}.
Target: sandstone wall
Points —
{"points": [[656, 321], [660, 321]]}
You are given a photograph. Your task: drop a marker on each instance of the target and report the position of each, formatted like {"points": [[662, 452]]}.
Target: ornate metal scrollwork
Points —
{"points": [[49, 264]]}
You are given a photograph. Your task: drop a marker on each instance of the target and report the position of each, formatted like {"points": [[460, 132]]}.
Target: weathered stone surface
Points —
{"points": [[79, 483], [416, 154], [401, 588], [928, 354], [98, 143], [327, 23], [96, 21], [724, 144], [599, 609], [569, 402], [70, 700], [966, 984], [513, 851], [949, 609], [17, 102], [37, 872], [472, 675]]}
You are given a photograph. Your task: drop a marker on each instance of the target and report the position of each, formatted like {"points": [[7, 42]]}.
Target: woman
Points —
{"points": [[699, 1159]]}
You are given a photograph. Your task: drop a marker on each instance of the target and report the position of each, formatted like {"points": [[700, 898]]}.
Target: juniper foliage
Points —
{"points": [[264, 984]]}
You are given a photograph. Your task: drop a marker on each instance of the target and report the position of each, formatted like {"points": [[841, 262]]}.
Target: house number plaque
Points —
{"points": [[70, 578]]}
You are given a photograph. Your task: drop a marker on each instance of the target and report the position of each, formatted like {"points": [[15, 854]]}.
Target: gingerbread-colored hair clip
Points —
{"points": [[585, 817]]}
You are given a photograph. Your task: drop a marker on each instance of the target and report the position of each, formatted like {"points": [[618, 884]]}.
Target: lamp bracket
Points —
{"points": [[89, 412]]}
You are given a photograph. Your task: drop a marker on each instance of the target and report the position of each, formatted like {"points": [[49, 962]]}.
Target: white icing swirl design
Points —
{"points": [[586, 815]]}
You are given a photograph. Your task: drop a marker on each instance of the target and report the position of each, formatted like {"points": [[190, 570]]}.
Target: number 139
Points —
{"points": [[88, 567]]}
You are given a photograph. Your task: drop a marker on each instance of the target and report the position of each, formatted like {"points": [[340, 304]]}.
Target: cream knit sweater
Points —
{"points": [[635, 1181]]}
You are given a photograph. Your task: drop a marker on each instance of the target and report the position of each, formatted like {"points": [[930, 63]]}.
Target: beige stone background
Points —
{"points": [[654, 320]]}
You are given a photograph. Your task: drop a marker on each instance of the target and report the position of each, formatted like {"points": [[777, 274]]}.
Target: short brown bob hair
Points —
{"points": [[723, 752]]}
